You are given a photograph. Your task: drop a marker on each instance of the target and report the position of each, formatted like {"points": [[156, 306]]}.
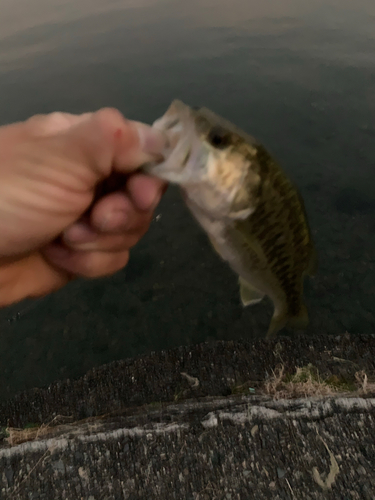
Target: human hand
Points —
{"points": [[57, 219]]}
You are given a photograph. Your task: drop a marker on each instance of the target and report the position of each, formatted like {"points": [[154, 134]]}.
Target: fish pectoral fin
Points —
{"points": [[283, 319], [249, 295]]}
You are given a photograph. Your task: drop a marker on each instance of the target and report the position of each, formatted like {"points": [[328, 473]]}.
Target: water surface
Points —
{"points": [[299, 75]]}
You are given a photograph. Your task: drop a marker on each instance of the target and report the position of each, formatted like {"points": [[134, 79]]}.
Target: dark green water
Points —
{"points": [[299, 75]]}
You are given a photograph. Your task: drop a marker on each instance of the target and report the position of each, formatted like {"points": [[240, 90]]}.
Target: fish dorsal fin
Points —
{"points": [[249, 295]]}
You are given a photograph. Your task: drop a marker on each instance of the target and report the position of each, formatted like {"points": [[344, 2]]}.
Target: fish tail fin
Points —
{"points": [[283, 319], [299, 321]]}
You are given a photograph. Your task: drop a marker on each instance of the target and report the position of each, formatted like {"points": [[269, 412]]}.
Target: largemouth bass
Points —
{"points": [[252, 213]]}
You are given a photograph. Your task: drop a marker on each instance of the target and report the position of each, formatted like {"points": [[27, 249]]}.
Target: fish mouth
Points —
{"points": [[182, 143]]}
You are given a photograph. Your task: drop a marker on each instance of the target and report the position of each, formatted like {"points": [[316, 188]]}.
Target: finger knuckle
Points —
{"points": [[108, 117]]}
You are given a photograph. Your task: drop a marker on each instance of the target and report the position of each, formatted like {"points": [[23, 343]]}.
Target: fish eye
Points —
{"points": [[218, 137]]}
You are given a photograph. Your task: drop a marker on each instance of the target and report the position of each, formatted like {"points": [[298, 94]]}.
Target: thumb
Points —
{"points": [[106, 141]]}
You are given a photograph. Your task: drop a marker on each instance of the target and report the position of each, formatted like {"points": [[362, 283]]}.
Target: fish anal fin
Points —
{"points": [[282, 319], [249, 295]]}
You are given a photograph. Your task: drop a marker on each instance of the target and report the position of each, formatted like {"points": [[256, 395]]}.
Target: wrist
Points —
{"points": [[28, 277], [9, 272]]}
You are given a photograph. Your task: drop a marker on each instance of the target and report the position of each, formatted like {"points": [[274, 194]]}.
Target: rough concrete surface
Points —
{"points": [[192, 441]]}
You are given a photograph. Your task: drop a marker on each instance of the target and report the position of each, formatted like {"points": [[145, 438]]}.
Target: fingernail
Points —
{"points": [[148, 198], [155, 202], [152, 141], [114, 221]]}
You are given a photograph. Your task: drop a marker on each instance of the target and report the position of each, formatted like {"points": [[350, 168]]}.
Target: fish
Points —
{"points": [[252, 213]]}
